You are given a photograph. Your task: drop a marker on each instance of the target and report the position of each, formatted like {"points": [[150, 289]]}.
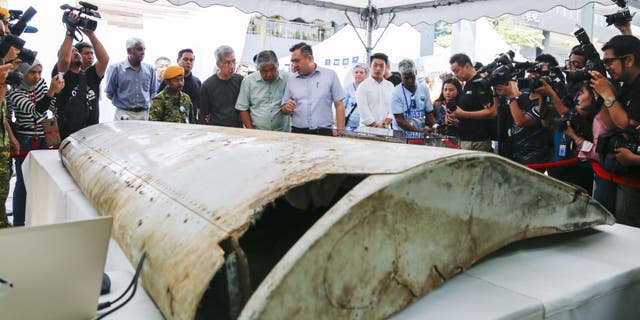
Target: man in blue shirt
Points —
{"points": [[410, 104], [309, 94], [131, 84]]}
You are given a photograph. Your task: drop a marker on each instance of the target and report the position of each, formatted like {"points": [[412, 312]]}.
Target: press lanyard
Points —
{"points": [[404, 94]]}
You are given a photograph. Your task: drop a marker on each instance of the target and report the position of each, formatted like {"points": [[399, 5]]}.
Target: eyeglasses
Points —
{"points": [[574, 64], [609, 61]]}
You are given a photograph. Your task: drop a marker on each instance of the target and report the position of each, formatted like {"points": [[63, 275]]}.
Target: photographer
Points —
{"points": [[30, 101], [563, 146], [76, 63], [621, 61], [528, 137]]}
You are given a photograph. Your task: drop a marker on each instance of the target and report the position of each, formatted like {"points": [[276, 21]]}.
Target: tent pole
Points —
{"points": [[370, 26]]}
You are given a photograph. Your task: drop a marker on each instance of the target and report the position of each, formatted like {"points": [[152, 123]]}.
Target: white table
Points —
{"points": [[53, 197], [591, 274]]}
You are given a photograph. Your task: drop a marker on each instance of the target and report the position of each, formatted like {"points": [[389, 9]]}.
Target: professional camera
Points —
{"points": [[82, 22], [629, 139], [500, 71], [14, 78], [11, 40], [593, 59], [551, 75], [619, 17], [503, 59], [21, 26], [577, 123]]}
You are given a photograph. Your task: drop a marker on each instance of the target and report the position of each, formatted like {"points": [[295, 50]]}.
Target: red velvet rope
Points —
{"points": [[23, 154], [549, 165], [614, 177]]}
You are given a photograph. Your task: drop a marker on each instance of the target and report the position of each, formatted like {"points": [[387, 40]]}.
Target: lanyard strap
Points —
{"points": [[404, 94]]}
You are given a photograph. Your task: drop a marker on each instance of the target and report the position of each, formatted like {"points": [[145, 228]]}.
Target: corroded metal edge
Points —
{"points": [[392, 239]]}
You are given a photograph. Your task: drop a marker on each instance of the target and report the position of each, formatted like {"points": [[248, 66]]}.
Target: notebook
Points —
{"points": [[53, 271]]}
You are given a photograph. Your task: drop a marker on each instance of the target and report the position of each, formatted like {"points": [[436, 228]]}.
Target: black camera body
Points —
{"points": [[593, 63], [23, 19], [14, 78], [551, 75], [628, 139], [11, 40], [500, 71], [83, 22], [575, 120], [619, 17]]}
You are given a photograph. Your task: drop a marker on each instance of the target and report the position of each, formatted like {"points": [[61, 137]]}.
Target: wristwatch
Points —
{"points": [[609, 102]]}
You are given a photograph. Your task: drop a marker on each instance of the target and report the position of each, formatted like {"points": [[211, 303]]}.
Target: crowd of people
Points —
{"points": [[544, 120]]}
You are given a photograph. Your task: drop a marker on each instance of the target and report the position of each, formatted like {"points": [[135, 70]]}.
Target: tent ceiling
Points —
{"points": [[406, 11]]}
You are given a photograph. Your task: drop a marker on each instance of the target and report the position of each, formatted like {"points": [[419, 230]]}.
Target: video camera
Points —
{"points": [[23, 18], [622, 16], [500, 71], [11, 40], [594, 63], [16, 29], [87, 9]]}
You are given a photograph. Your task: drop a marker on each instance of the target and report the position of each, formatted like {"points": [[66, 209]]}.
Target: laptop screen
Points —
{"points": [[53, 271]]}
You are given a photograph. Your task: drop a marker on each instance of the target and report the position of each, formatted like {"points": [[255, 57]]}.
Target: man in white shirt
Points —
{"points": [[374, 95]]}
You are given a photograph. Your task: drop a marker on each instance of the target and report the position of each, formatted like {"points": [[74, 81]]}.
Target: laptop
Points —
{"points": [[53, 271]]}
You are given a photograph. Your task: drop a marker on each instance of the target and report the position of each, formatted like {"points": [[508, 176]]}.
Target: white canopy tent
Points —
{"points": [[406, 11], [376, 13]]}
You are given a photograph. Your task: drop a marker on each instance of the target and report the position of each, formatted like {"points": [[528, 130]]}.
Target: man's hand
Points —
{"points": [[509, 90], [545, 89], [601, 85], [73, 17], [624, 28], [288, 107], [626, 157], [57, 83]]}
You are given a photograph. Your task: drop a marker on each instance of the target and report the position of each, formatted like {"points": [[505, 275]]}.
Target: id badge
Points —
{"points": [[562, 150]]}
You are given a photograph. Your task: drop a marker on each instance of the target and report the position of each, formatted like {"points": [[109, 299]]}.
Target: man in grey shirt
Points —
{"points": [[309, 94]]}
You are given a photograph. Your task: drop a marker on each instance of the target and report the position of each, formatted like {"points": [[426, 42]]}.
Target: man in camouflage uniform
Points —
{"points": [[7, 139], [171, 104]]}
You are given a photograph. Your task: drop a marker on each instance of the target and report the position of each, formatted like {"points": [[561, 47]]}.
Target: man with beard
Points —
{"points": [[131, 84], [76, 63], [171, 104]]}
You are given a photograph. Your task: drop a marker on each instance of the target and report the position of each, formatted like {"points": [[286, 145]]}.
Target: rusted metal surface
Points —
{"points": [[421, 215]]}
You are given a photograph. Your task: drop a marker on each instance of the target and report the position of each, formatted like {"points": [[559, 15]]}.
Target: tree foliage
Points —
{"points": [[517, 36]]}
